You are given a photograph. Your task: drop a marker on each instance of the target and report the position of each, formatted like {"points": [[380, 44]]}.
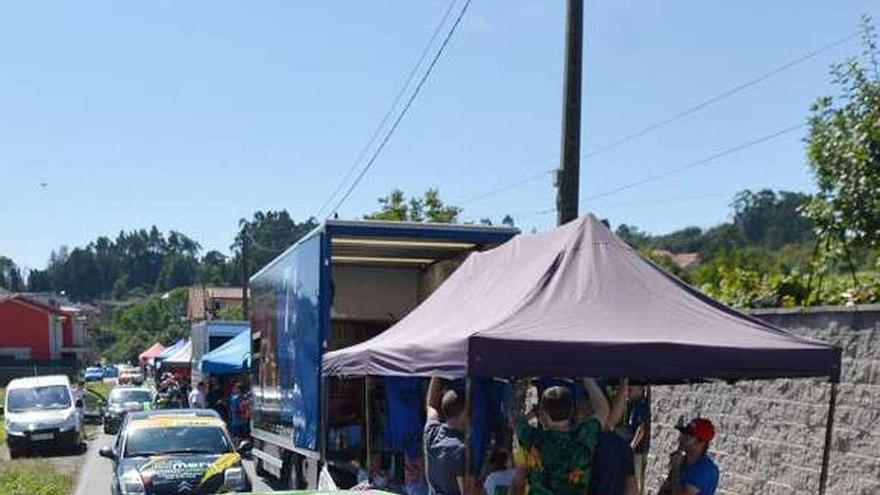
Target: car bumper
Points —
{"points": [[42, 439]]}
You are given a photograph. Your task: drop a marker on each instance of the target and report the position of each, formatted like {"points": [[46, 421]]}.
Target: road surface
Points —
{"points": [[96, 471]]}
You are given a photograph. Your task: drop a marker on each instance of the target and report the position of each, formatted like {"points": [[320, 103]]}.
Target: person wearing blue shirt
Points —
{"points": [[691, 470]]}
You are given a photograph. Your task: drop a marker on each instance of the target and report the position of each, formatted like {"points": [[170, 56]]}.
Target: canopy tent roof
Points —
{"points": [[151, 353], [182, 356], [169, 351], [578, 301], [231, 358]]}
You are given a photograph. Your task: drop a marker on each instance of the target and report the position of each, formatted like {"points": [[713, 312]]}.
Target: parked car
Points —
{"points": [[41, 413], [123, 400], [111, 371], [130, 376], [94, 374], [180, 451]]}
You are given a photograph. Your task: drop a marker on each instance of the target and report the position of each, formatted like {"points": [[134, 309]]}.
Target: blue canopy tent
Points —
{"points": [[231, 358], [170, 351]]}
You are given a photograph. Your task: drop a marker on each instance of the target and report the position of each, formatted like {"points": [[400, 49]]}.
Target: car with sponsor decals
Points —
{"points": [[42, 413], [176, 451], [123, 400]]}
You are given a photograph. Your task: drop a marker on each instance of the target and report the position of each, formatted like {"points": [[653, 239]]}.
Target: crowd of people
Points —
{"points": [[571, 440], [232, 403]]}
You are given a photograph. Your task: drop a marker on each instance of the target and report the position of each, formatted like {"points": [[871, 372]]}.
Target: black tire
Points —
{"points": [[292, 472], [15, 453], [260, 469]]}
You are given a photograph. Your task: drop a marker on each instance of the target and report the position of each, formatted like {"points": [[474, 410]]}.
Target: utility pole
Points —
{"points": [[245, 272], [568, 175]]}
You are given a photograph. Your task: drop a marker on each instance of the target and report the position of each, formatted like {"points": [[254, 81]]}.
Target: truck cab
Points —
{"points": [[342, 284]]}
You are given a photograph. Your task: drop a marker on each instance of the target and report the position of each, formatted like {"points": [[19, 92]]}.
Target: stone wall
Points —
{"points": [[771, 433]]}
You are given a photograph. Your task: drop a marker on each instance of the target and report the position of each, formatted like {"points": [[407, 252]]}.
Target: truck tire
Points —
{"points": [[260, 469], [292, 472]]}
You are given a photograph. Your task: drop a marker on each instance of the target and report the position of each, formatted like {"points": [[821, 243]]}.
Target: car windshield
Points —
{"points": [[50, 397], [121, 396], [176, 440]]}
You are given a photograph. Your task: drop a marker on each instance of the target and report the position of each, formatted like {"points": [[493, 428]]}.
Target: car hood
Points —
{"points": [[182, 473], [41, 418]]}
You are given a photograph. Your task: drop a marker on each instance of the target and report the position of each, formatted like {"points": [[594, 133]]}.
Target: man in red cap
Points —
{"points": [[691, 470]]}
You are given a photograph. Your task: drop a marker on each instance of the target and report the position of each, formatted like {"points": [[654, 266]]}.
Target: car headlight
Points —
{"points": [[131, 483], [233, 479], [15, 427], [69, 422]]}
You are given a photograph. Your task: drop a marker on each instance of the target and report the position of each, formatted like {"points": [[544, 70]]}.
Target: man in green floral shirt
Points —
{"points": [[557, 446]]}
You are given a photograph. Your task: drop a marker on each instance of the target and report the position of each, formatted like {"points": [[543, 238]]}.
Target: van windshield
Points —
{"points": [[49, 397]]}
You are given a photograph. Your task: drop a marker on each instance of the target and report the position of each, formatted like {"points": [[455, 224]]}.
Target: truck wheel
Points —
{"points": [[260, 469], [292, 473], [15, 453]]}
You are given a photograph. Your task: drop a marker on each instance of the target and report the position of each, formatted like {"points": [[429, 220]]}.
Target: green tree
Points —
{"points": [[843, 148], [269, 234], [133, 329], [427, 208]]}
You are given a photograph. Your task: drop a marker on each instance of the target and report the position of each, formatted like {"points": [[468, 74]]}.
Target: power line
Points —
{"points": [[725, 94], [686, 166], [683, 113], [405, 108], [397, 98], [508, 187]]}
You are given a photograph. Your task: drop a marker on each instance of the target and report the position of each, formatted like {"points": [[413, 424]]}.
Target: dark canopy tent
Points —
{"points": [[578, 301]]}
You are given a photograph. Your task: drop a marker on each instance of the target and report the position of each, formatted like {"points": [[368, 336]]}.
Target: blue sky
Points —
{"points": [[191, 115]]}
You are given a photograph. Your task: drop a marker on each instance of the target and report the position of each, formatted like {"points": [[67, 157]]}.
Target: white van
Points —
{"points": [[42, 412]]}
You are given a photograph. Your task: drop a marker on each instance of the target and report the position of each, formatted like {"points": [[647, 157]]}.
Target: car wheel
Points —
{"points": [[15, 453]]}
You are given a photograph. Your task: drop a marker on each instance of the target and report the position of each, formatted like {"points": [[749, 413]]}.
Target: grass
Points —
{"points": [[33, 477]]}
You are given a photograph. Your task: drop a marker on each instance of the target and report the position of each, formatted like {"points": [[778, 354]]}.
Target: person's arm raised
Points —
{"points": [[434, 399], [618, 405], [598, 400]]}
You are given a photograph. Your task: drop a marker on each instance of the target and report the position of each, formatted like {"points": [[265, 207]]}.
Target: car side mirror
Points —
{"points": [[244, 447], [79, 404], [107, 452]]}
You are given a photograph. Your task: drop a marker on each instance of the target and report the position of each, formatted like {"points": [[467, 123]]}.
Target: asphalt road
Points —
{"points": [[96, 471]]}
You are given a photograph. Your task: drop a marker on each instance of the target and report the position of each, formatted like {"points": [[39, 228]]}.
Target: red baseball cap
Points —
{"points": [[699, 428]]}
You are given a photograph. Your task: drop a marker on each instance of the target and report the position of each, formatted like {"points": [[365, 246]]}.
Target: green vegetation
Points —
{"points": [[33, 477], [100, 388], [131, 330]]}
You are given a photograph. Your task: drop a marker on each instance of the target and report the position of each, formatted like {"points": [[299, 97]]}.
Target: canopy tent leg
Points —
{"points": [[368, 429], [324, 418], [829, 432], [468, 477]]}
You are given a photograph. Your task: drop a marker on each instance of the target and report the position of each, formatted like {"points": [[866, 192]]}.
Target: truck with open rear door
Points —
{"points": [[342, 284]]}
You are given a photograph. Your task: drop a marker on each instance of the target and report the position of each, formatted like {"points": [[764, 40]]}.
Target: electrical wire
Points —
{"points": [[508, 187], [404, 110], [684, 167], [397, 98], [681, 114], [725, 94]]}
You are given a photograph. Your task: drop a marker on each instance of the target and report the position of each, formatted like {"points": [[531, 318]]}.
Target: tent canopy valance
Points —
{"points": [[578, 301]]}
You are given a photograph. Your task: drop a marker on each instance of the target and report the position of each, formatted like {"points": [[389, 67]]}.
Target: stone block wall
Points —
{"points": [[771, 433]]}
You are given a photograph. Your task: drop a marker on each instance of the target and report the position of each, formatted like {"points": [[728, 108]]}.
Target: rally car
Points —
{"points": [[123, 400], [183, 451]]}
